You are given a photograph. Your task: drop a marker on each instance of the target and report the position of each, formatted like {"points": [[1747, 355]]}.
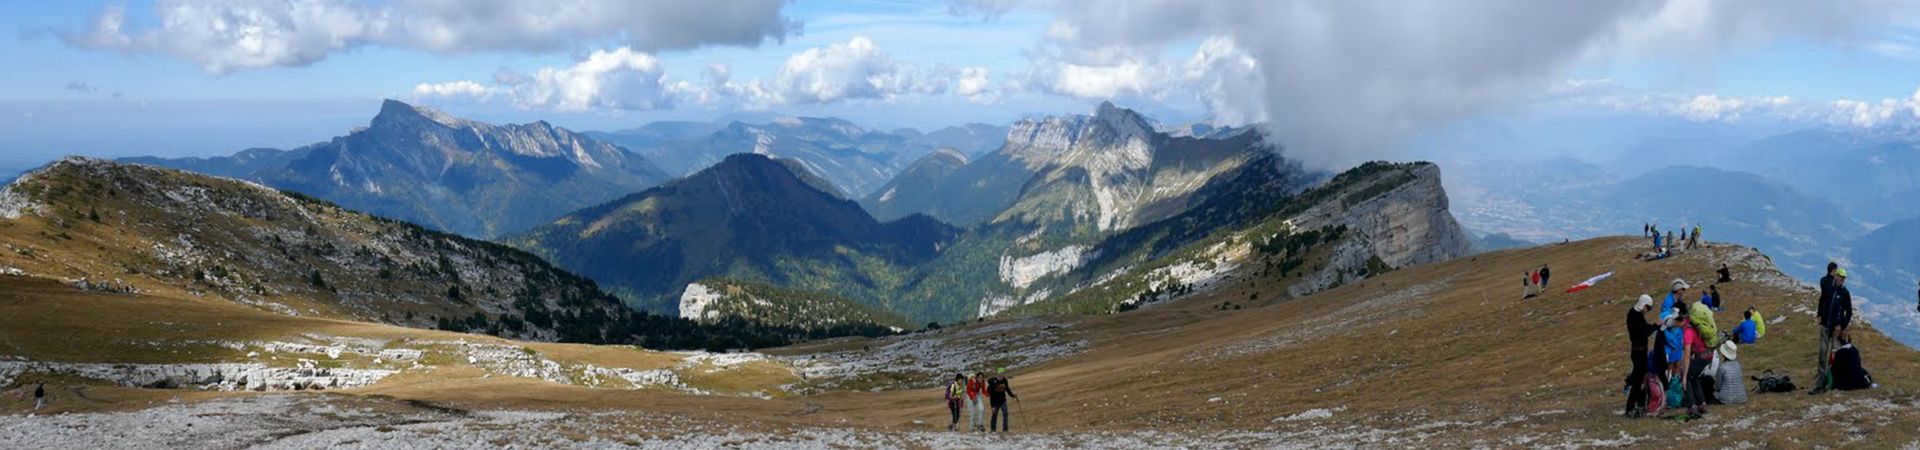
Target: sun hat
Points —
{"points": [[1729, 351], [1679, 284], [1644, 303]]}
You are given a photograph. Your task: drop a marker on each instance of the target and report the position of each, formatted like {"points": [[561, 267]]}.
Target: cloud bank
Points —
{"points": [[223, 36], [1346, 81]]}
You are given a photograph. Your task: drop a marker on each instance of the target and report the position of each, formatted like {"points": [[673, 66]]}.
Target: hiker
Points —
{"points": [[1751, 329], [977, 402], [1537, 287], [1656, 241], [1829, 284], [1658, 366], [1726, 275], [1527, 281], [998, 389], [1696, 232], [1711, 297], [39, 396], [1848, 373], [1638, 331], [1692, 367], [1730, 383], [1544, 277], [1670, 240], [1679, 289], [956, 391], [1673, 339]]}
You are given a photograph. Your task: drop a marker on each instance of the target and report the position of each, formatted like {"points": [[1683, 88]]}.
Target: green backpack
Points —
{"points": [[1676, 392]]}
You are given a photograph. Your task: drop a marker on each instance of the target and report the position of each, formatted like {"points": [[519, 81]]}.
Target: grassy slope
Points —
{"points": [[1415, 347]]}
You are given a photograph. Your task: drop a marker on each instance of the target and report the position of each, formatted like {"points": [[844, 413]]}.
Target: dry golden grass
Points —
{"points": [[1448, 342]]}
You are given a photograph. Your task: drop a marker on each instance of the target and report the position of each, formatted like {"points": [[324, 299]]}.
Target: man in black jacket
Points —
{"points": [[1638, 330], [1836, 312], [998, 389]]}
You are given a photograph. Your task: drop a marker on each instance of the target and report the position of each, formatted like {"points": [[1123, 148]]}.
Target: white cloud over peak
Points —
{"points": [[619, 79], [1345, 81], [856, 69], [625, 79], [228, 35]]}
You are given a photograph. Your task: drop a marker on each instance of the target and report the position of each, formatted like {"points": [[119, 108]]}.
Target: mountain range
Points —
{"points": [[750, 217], [456, 175], [1094, 213], [130, 228], [854, 159]]}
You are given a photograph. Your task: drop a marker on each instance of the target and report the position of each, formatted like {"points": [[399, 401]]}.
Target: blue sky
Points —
{"points": [[146, 88]]}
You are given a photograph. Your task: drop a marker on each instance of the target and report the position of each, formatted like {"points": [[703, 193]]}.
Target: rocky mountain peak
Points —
{"points": [[395, 113]]}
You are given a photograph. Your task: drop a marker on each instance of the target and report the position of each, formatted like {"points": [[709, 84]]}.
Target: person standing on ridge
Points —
{"points": [[1696, 233], [1544, 278], [1638, 331], [1821, 371], [956, 393], [998, 389], [39, 396]]}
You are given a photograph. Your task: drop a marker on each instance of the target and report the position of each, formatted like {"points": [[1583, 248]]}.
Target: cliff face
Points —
{"points": [[1404, 216]]}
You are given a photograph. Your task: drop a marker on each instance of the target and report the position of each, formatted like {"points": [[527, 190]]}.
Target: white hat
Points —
{"points": [[1729, 351], [1644, 303], [1679, 284]]}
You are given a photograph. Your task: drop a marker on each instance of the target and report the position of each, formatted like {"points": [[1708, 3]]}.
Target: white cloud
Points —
{"points": [[227, 35], [1346, 81], [856, 69], [452, 89], [619, 79], [974, 85]]}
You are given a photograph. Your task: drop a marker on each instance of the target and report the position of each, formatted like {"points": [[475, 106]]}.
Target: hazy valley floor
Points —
{"points": [[1444, 355]]}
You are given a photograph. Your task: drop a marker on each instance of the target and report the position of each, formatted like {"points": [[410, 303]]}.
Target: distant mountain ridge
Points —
{"points": [[457, 175], [750, 218], [855, 159]]}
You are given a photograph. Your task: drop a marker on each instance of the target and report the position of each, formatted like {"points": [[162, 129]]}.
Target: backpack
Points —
{"points": [[1771, 382], [1656, 394], [1676, 393]]}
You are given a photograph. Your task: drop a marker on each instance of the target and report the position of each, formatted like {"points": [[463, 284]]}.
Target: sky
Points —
{"points": [[1338, 82]]}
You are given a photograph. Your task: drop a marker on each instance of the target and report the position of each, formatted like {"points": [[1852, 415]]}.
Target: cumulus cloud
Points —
{"points": [[227, 35], [619, 79], [1345, 81], [628, 79], [856, 69], [1868, 113]]}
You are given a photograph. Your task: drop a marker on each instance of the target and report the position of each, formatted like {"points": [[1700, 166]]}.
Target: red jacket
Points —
{"points": [[976, 388]]}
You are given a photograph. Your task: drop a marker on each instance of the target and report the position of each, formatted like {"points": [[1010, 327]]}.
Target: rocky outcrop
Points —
{"points": [[1403, 215], [218, 376]]}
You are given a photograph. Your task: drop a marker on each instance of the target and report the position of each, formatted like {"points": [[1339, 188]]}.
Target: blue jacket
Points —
{"points": [[1675, 343], [1746, 333], [1707, 298], [1667, 305]]}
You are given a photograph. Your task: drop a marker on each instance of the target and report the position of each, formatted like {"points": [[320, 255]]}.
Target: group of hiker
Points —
{"points": [[1664, 246], [1682, 361], [1534, 282], [976, 395]]}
